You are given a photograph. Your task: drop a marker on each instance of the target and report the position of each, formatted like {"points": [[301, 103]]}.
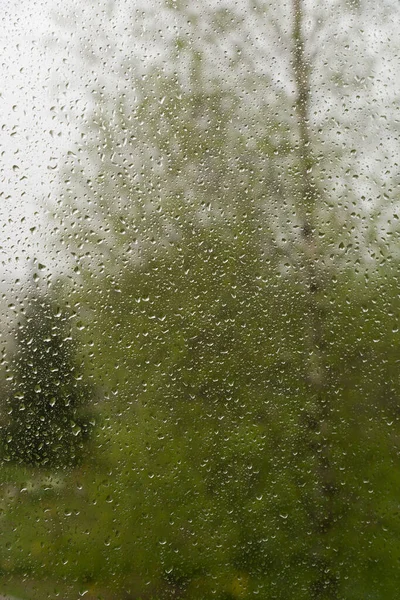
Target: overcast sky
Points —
{"points": [[27, 144]]}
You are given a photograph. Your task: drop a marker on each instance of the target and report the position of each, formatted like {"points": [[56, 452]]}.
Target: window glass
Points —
{"points": [[199, 393]]}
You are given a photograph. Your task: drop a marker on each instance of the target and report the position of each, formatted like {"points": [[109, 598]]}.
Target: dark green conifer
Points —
{"points": [[48, 400]]}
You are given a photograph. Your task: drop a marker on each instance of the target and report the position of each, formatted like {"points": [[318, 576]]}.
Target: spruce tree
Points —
{"points": [[48, 416]]}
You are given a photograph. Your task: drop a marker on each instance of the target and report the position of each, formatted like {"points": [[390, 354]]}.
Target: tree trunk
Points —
{"points": [[321, 512]]}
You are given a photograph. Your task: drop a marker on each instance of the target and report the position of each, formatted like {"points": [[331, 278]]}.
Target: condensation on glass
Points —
{"points": [[199, 308]]}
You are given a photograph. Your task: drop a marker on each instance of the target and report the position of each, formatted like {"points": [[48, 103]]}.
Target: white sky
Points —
{"points": [[28, 169]]}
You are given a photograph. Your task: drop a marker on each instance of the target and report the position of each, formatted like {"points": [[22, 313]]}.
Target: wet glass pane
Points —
{"points": [[199, 393]]}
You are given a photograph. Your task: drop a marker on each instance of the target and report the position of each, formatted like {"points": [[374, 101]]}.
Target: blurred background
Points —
{"points": [[199, 392]]}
